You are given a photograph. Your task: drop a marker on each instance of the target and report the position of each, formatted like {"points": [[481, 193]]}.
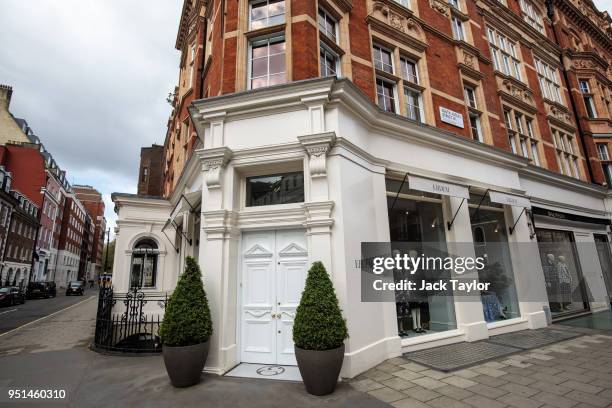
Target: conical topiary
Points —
{"points": [[187, 319], [318, 323]]}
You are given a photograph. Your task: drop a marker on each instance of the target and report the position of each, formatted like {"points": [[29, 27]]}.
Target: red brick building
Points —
{"points": [[150, 175], [70, 240], [94, 206], [502, 65]]}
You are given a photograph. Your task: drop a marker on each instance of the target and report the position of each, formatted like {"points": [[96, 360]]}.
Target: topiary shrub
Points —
{"points": [[319, 324], [187, 319]]}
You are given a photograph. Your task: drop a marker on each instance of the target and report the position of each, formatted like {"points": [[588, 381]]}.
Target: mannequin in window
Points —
{"points": [[416, 298], [551, 276], [401, 299], [565, 284]]}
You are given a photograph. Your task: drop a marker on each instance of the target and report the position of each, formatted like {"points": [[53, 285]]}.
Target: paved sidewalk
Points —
{"points": [[53, 354], [71, 327], [572, 374]]}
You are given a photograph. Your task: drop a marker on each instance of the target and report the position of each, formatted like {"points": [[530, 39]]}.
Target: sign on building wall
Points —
{"points": [[452, 117], [437, 187]]}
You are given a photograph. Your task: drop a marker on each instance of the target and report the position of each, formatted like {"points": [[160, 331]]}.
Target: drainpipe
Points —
{"points": [[550, 12]]}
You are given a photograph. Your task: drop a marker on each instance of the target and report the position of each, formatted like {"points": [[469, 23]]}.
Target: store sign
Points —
{"points": [[437, 187], [509, 199], [452, 117]]}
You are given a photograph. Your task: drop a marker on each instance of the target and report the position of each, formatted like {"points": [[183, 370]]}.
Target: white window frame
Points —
{"points": [[395, 96], [335, 37], [548, 78], [504, 54], [376, 47], [458, 28], [267, 18], [531, 15], [411, 108], [602, 150], [250, 58], [326, 50]]}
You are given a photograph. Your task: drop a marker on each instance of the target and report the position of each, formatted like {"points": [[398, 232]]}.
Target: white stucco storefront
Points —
{"points": [[350, 154]]}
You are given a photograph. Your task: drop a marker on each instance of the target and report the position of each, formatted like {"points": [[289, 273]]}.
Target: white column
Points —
{"points": [[527, 268], [218, 242], [468, 310], [318, 207]]}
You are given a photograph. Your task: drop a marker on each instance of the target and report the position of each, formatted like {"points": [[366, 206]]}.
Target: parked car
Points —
{"points": [[41, 290], [11, 295], [75, 288]]}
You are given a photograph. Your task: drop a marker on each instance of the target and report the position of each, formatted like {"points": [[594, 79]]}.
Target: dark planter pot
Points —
{"points": [[185, 364], [320, 369]]}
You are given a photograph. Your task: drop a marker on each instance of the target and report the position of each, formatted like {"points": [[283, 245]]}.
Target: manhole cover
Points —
{"points": [[269, 371]]}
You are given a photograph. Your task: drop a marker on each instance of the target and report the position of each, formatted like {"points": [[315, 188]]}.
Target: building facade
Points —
{"points": [[70, 241], [94, 206], [325, 124], [21, 242], [150, 175]]}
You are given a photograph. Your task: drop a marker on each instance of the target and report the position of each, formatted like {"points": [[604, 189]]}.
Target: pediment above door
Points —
{"points": [[293, 249], [257, 251]]}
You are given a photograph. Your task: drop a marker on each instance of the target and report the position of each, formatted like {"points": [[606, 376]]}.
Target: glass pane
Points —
{"points": [[277, 79], [563, 277], [277, 46], [277, 63], [260, 67], [500, 302], [275, 189], [419, 224], [260, 50], [259, 82]]}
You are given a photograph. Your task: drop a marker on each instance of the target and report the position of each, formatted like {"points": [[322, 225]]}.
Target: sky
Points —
{"points": [[91, 78]]}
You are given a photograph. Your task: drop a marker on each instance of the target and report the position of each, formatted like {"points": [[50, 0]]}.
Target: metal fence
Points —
{"points": [[123, 325]]}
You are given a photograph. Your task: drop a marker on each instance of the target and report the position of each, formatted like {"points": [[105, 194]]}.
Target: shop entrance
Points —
{"points": [[565, 284]]}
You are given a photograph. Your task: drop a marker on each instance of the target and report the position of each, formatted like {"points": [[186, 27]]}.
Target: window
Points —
{"points": [[457, 26], [521, 135], [267, 62], [503, 52], [607, 169], [329, 62], [405, 3], [549, 81], [602, 149], [144, 264], [409, 70], [275, 189], [567, 159], [266, 13], [531, 15], [454, 3], [473, 113], [145, 174], [383, 59], [328, 25], [385, 91], [414, 104], [587, 96]]}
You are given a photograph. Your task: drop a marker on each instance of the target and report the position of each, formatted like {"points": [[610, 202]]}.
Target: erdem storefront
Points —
{"points": [[308, 171]]}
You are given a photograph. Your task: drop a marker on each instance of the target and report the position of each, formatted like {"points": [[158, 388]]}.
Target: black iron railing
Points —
{"points": [[123, 325]]}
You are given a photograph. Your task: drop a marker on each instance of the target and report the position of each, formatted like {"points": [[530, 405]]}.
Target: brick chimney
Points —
{"points": [[5, 96]]}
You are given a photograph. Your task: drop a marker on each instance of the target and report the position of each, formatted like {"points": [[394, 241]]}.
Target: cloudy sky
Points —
{"points": [[91, 78]]}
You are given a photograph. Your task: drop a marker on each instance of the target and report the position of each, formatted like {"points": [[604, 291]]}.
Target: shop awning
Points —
{"points": [[509, 199], [188, 202], [438, 187]]}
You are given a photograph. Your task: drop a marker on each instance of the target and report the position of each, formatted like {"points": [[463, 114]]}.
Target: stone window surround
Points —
{"points": [[402, 51], [517, 136]]}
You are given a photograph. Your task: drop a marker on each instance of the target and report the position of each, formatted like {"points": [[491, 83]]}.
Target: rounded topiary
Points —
{"points": [[187, 319], [319, 324]]}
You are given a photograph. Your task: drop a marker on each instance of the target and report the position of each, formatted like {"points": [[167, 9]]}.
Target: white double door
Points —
{"points": [[274, 269]]}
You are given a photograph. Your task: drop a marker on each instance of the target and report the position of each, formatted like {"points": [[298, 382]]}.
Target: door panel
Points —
{"points": [[258, 296], [274, 272]]}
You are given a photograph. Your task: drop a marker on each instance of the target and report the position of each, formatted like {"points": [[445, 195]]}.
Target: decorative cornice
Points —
{"points": [[396, 21], [213, 161], [317, 147]]}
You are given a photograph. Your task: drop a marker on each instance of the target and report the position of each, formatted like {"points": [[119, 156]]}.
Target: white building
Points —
{"points": [[308, 171]]}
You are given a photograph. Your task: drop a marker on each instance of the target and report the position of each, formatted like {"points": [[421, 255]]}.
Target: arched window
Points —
{"points": [[532, 15], [144, 264]]}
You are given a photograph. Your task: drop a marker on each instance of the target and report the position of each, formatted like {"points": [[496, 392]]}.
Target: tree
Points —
{"points": [[110, 247], [187, 318], [318, 323]]}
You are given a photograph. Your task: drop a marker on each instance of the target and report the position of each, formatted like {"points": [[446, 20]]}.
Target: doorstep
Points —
{"points": [[266, 372]]}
